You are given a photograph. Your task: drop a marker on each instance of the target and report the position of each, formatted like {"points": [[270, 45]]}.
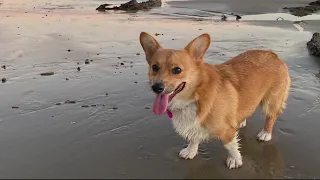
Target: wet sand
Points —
{"points": [[110, 130]]}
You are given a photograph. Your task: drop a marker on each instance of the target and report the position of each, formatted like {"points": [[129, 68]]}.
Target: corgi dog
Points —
{"points": [[208, 101]]}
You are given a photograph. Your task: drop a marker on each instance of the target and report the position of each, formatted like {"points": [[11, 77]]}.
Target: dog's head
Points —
{"points": [[172, 73]]}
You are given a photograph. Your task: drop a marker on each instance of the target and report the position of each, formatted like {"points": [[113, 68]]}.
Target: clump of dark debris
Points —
{"points": [[50, 73], [306, 10], [132, 5], [70, 102], [313, 45]]}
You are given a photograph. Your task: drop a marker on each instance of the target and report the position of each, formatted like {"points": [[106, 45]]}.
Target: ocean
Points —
{"points": [[199, 9]]}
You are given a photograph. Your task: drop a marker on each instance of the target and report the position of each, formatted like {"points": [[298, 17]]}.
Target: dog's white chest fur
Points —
{"points": [[184, 121]]}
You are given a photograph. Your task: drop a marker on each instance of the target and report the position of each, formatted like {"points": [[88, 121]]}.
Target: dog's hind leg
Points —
{"points": [[266, 133], [243, 124], [272, 105]]}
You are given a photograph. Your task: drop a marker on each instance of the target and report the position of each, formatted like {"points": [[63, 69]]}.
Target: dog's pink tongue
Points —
{"points": [[160, 104]]}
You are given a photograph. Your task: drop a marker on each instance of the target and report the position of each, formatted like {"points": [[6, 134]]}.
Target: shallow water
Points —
{"points": [[117, 135]]}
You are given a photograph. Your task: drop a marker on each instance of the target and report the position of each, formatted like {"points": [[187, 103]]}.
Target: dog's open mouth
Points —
{"points": [[161, 102], [177, 90]]}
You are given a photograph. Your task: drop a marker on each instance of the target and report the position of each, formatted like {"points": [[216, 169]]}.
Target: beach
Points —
{"points": [[95, 120]]}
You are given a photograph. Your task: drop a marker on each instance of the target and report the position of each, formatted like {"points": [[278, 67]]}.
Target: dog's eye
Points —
{"points": [[155, 68], [176, 70]]}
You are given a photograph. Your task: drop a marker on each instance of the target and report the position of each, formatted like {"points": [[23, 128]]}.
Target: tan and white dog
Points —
{"points": [[213, 101]]}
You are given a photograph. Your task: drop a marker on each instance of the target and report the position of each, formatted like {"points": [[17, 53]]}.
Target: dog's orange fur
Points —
{"points": [[225, 94]]}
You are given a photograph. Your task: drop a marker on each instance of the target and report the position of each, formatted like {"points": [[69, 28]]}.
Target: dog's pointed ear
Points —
{"points": [[198, 47], [149, 44]]}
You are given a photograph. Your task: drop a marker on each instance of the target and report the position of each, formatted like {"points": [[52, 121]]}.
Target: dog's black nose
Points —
{"points": [[158, 87]]}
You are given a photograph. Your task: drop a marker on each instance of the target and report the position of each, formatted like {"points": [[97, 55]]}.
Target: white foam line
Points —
{"points": [[191, 16], [270, 17], [299, 27]]}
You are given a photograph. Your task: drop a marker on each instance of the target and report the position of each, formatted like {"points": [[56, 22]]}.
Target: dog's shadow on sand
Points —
{"points": [[261, 160]]}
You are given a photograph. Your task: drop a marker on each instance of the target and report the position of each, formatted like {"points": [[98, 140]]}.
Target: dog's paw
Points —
{"points": [[264, 136], [186, 153], [234, 163], [243, 124]]}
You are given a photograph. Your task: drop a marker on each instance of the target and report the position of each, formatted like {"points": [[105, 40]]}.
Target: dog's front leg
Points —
{"points": [[191, 151], [234, 159]]}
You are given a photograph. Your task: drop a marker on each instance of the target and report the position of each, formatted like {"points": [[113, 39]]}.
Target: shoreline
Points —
{"points": [[288, 21]]}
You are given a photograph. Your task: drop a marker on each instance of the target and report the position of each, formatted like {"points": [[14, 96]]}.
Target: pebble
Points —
{"points": [[85, 106], [78, 69], [122, 64], [223, 17], [147, 107], [67, 79], [69, 50], [114, 107], [119, 57], [4, 80], [107, 94], [15, 107], [87, 61], [4, 67], [58, 104], [70, 102], [138, 54], [47, 73], [136, 82]]}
